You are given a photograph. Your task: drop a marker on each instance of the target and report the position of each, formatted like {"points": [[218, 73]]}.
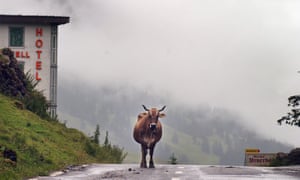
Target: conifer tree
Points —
{"points": [[96, 135], [106, 141]]}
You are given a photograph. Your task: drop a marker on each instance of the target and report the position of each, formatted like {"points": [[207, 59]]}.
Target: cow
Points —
{"points": [[147, 132]]}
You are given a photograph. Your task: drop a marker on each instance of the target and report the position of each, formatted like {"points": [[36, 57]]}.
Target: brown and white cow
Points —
{"points": [[147, 132]]}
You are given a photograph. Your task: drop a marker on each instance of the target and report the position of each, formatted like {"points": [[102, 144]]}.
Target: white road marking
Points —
{"points": [[178, 172], [175, 178]]}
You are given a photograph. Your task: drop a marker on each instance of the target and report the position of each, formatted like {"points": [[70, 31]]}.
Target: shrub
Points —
{"points": [[14, 83], [90, 148], [35, 100], [173, 159]]}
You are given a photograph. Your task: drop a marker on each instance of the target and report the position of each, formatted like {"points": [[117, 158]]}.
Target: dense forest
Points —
{"points": [[201, 134]]}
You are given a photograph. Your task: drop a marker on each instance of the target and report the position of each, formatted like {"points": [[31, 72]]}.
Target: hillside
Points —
{"points": [[41, 146], [198, 135]]}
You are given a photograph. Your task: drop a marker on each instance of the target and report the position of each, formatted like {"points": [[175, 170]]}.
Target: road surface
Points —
{"points": [[175, 172]]}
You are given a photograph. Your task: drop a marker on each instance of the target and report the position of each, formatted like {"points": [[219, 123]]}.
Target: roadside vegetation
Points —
{"points": [[32, 143], [172, 159], [43, 146], [291, 118]]}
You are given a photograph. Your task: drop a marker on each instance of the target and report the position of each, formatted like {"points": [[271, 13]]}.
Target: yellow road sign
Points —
{"points": [[252, 151]]}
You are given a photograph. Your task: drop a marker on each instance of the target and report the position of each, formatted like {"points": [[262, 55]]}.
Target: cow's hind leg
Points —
{"points": [[144, 154], [151, 163]]}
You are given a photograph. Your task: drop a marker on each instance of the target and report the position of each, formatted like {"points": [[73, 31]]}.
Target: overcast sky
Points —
{"points": [[242, 55]]}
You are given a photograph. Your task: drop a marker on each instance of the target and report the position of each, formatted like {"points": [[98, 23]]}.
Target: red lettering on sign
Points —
{"points": [[38, 43], [38, 32], [24, 54], [38, 65], [27, 55], [38, 52], [37, 77], [17, 54]]}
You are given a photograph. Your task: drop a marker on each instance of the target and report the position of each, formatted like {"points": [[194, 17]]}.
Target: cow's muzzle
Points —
{"points": [[153, 126]]}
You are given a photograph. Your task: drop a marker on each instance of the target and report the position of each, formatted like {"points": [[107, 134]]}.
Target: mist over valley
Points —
{"points": [[195, 134]]}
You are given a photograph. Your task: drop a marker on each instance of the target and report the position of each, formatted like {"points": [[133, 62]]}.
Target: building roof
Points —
{"points": [[28, 19]]}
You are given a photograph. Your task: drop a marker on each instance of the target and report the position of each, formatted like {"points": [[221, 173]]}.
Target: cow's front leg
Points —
{"points": [[151, 163], [144, 154]]}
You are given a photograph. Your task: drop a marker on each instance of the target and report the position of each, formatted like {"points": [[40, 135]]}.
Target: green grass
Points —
{"points": [[42, 146]]}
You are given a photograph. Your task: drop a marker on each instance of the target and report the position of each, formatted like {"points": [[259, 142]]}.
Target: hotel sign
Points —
{"points": [[253, 157]]}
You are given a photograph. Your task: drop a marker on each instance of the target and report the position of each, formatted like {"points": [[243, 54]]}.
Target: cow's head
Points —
{"points": [[153, 115]]}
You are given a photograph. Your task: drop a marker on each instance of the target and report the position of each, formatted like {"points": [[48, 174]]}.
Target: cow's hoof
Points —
{"points": [[151, 166], [143, 166]]}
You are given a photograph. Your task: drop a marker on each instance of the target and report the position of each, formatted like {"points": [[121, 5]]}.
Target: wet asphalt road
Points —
{"points": [[176, 172]]}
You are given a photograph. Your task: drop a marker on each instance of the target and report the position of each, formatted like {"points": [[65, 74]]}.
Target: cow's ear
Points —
{"points": [[142, 115], [161, 115]]}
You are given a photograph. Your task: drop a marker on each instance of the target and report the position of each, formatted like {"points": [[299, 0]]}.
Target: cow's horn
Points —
{"points": [[146, 109], [162, 109]]}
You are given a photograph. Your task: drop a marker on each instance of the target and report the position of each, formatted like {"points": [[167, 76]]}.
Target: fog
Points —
{"points": [[241, 55]]}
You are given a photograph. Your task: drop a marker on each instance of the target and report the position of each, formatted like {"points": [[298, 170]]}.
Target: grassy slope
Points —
{"points": [[41, 146]]}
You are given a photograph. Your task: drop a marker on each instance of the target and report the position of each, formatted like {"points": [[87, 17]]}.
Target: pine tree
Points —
{"points": [[96, 135], [106, 141]]}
